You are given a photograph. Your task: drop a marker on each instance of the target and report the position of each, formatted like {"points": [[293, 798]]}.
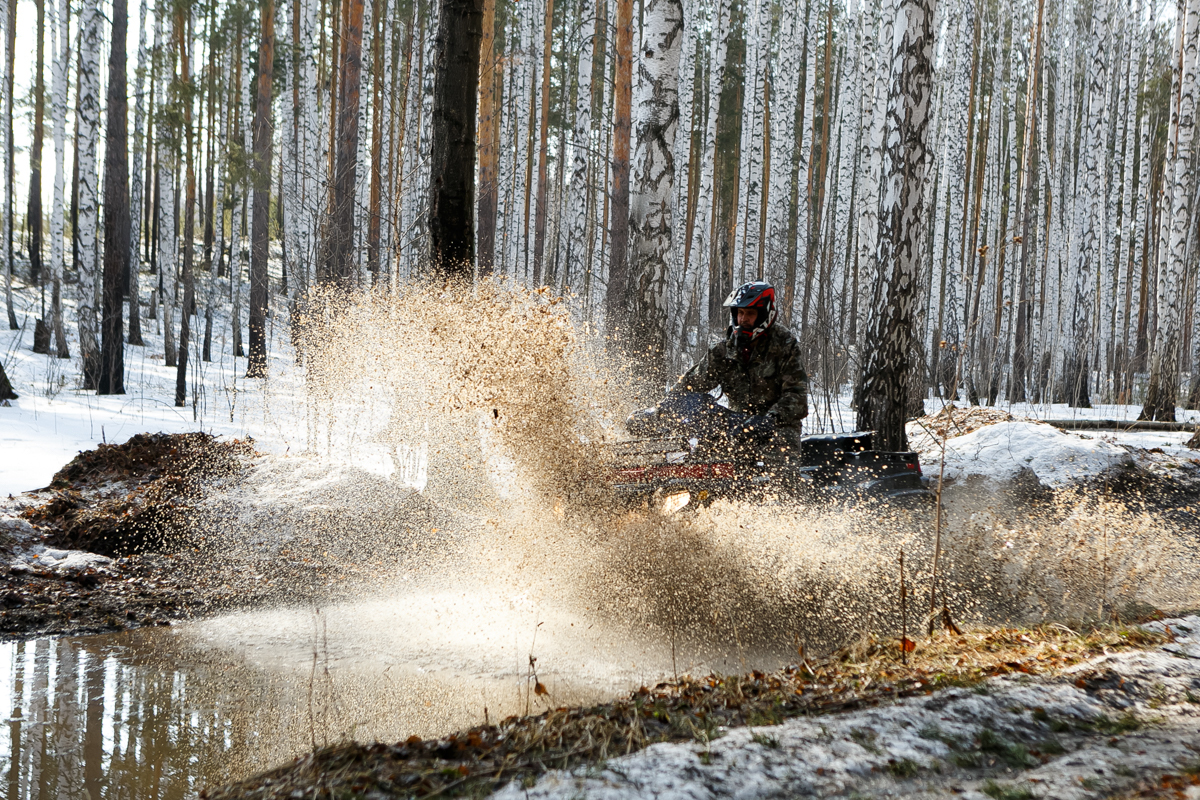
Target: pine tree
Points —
{"points": [[617, 294], [116, 210], [10, 36], [261, 202]]}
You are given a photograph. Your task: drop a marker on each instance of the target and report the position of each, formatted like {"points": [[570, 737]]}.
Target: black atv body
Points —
{"points": [[692, 450]]}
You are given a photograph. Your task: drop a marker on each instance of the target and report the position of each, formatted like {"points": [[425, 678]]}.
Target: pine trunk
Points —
{"points": [[10, 44], [116, 210], [33, 215], [261, 175], [617, 293], [452, 161]]}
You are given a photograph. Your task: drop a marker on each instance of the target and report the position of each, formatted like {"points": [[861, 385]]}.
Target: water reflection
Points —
{"points": [[156, 714]]}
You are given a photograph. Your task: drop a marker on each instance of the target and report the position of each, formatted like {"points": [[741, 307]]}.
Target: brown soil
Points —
{"points": [[134, 502]]}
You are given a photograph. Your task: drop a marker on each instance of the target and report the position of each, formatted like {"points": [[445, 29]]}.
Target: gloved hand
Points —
{"points": [[759, 428]]}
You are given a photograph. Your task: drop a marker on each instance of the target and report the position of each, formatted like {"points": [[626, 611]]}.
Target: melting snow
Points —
{"points": [[1002, 450], [868, 752]]}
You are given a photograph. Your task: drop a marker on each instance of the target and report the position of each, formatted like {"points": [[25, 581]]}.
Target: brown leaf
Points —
{"points": [[540, 688]]}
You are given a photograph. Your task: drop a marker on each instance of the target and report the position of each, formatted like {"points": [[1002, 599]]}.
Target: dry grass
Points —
{"points": [[484, 758]]}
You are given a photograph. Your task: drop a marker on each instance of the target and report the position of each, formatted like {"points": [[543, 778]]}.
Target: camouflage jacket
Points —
{"points": [[771, 382]]}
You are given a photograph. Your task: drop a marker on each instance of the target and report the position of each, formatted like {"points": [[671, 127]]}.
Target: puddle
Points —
{"points": [[162, 713]]}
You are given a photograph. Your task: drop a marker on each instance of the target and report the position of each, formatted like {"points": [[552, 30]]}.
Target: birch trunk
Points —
{"points": [[654, 175], [883, 396], [10, 41], [576, 256], [60, 55], [88, 115], [1172, 282], [166, 147], [136, 183], [1087, 220], [785, 84]]}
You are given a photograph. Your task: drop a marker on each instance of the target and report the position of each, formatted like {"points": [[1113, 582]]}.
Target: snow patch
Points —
{"points": [[999, 452], [919, 746], [40, 557]]}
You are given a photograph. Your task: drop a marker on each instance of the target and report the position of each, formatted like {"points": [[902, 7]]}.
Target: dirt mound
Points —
{"points": [[952, 421], [134, 497]]}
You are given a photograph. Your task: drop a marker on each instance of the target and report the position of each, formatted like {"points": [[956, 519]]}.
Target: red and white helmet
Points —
{"points": [[756, 294]]}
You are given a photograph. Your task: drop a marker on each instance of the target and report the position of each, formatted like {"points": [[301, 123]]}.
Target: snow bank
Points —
{"points": [[41, 557], [999, 452], [937, 745]]}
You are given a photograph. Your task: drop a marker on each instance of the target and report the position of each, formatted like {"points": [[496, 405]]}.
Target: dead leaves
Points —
{"points": [[690, 709]]}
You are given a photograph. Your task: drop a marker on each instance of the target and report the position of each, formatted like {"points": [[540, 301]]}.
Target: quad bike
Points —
{"points": [[690, 450]]}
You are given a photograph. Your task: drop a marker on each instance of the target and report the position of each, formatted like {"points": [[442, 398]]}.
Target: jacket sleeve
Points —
{"points": [[702, 377], [792, 405]]}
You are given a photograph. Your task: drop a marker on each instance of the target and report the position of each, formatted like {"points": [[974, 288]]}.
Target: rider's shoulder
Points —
{"points": [[782, 338]]}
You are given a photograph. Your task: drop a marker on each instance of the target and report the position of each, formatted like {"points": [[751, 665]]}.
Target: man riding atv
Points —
{"points": [[758, 368], [689, 447]]}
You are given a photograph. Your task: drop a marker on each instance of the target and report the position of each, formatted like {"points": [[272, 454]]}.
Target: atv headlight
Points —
{"points": [[675, 502]]}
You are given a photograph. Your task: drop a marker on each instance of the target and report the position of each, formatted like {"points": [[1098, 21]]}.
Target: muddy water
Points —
{"points": [[161, 713]]}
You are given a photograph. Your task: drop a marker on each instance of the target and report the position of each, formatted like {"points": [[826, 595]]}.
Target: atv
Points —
{"points": [[690, 450]]}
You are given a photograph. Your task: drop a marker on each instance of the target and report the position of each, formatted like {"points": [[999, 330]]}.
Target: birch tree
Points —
{"points": [[88, 116], [884, 390], [136, 183], [10, 34], [1172, 283], [60, 57], [1077, 363]]}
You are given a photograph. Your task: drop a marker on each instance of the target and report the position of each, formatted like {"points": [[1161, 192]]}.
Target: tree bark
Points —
{"points": [[60, 56], [183, 36], [654, 179], [141, 141], [540, 210], [883, 394], [452, 161], [88, 116], [6, 388], [617, 292], [34, 213], [341, 230], [488, 119], [259, 243], [1172, 282], [10, 42], [116, 210]]}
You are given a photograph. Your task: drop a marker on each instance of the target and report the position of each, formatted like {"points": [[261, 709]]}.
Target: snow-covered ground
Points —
{"points": [[54, 419], [1109, 723]]}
